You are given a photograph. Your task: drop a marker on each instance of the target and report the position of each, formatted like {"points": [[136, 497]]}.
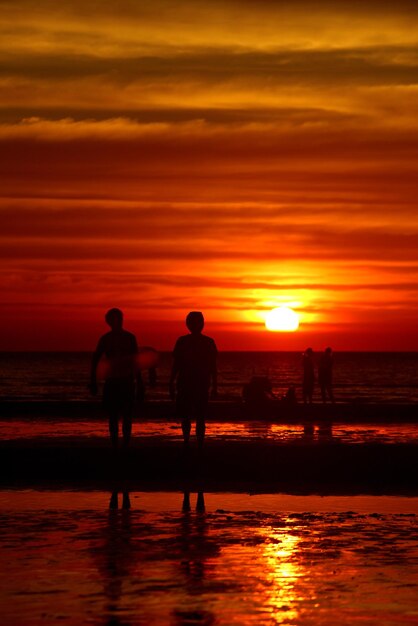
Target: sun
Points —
{"points": [[282, 319]]}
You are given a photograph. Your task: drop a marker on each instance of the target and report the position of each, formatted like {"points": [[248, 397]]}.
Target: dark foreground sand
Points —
{"points": [[292, 467], [277, 412]]}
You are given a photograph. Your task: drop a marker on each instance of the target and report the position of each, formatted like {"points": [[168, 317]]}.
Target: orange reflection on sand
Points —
{"points": [[281, 573]]}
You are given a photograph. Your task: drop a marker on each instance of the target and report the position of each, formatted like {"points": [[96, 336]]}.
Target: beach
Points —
{"points": [[299, 515], [243, 559]]}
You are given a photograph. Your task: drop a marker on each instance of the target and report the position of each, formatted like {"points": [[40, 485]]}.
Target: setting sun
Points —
{"points": [[282, 319]]}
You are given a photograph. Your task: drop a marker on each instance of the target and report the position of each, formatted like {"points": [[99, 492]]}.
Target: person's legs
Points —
{"points": [[127, 427], [200, 431], [186, 427], [183, 411], [113, 504], [125, 401], [200, 410], [305, 393], [126, 503], [323, 393], [110, 403], [186, 502], [310, 393], [114, 429], [200, 504]]}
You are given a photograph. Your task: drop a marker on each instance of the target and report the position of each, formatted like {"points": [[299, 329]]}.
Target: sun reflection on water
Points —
{"points": [[282, 572]]}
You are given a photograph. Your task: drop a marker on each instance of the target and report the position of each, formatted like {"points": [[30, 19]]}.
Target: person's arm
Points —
{"points": [[174, 374], [173, 378], [94, 363]]}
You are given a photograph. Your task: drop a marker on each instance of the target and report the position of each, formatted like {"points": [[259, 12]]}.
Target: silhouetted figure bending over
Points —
{"points": [[308, 381], [193, 373], [121, 375], [325, 375]]}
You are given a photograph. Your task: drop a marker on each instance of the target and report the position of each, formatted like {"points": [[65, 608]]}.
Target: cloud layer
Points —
{"points": [[228, 156]]}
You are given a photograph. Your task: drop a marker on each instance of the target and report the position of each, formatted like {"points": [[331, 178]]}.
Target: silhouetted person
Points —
{"points": [[193, 373], [308, 381], [289, 397], [325, 375], [258, 394], [122, 378]]}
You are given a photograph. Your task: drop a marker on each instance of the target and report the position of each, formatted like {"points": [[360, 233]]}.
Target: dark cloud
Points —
{"points": [[374, 65]]}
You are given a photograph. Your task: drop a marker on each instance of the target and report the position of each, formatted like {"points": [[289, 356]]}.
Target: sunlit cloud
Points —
{"points": [[234, 156]]}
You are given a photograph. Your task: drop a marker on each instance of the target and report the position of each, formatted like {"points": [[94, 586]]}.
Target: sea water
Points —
{"points": [[363, 376]]}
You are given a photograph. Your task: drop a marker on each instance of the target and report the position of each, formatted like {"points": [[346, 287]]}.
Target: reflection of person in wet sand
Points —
{"points": [[325, 375], [194, 371], [195, 549], [120, 348], [308, 380], [115, 558], [324, 430]]}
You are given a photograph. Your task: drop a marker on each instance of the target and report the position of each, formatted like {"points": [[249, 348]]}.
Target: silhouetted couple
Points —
{"points": [[193, 373], [324, 375]]}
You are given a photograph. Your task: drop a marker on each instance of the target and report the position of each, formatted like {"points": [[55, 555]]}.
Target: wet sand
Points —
{"points": [[238, 559], [277, 412], [304, 466]]}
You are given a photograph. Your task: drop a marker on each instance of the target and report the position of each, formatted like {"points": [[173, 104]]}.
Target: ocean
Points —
{"points": [[382, 377]]}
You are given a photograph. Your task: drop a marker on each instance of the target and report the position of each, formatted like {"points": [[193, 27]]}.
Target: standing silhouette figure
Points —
{"points": [[193, 373], [122, 377], [308, 380], [325, 375]]}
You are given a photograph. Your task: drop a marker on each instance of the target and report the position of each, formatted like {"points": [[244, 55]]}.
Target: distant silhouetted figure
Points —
{"points": [[121, 375], [325, 375], [193, 372], [308, 381], [290, 396], [258, 393]]}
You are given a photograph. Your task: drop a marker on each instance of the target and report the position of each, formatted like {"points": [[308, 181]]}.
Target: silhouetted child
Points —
{"points": [[193, 373], [258, 393], [122, 377], [308, 381], [290, 396], [325, 375]]}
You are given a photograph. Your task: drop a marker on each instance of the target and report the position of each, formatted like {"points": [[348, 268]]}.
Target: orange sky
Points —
{"points": [[227, 156]]}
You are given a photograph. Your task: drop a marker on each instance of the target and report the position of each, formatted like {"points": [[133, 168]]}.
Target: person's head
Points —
{"points": [[114, 318], [308, 352], [328, 351], [195, 321]]}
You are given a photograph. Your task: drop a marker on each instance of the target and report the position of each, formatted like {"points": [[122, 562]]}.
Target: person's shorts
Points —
{"points": [[192, 404], [119, 395]]}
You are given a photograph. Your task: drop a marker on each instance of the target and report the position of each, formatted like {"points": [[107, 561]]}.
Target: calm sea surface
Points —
{"points": [[372, 377], [235, 559]]}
